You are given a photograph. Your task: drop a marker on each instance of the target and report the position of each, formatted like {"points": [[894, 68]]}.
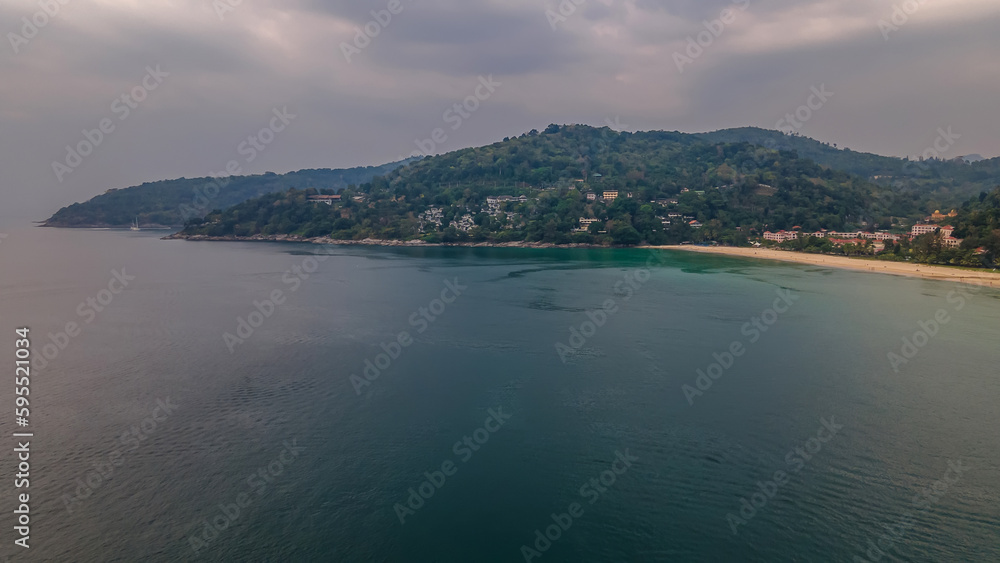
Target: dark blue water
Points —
{"points": [[268, 452]]}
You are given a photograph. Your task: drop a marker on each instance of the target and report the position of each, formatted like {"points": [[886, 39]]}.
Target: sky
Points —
{"points": [[185, 88]]}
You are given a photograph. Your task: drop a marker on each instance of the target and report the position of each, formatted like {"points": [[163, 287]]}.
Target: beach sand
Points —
{"points": [[986, 278]]}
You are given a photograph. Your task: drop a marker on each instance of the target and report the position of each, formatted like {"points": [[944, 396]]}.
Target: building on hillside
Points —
{"points": [[938, 216], [922, 229], [695, 224], [465, 223], [327, 199], [591, 196], [879, 235], [585, 223], [843, 241], [610, 195], [781, 236], [433, 216], [498, 199], [951, 242]]}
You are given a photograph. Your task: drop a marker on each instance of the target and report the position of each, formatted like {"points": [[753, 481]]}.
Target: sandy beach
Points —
{"points": [[979, 277]]}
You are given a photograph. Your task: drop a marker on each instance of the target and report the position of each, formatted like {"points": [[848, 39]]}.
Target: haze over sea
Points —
{"points": [[333, 464]]}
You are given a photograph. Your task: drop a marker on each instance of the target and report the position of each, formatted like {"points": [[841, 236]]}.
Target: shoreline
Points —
{"points": [[380, 242], [149, 227], [982, 277], [926, 271]]}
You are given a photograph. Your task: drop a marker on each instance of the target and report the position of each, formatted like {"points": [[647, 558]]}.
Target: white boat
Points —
{"points": [[135, 225]]}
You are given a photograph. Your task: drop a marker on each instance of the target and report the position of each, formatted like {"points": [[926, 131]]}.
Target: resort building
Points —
{"points": [[938, 216], [781, 236], [610, 195], [922, 229], [880, 235], [951, 242]]}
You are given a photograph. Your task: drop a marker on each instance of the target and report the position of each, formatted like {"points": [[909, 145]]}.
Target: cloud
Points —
{"points": [[608, 58]]}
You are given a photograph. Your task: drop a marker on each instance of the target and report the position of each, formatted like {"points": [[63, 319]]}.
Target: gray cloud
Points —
{"points": [[609, 58]]}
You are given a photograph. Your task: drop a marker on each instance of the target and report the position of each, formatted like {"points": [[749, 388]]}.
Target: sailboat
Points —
{"points": [[135, 225]]}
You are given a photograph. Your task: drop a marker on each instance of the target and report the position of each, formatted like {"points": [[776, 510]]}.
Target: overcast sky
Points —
{"points": [[222, 69]]}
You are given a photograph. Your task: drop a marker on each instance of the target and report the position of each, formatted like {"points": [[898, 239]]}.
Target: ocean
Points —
{"points": [[205, 401]]}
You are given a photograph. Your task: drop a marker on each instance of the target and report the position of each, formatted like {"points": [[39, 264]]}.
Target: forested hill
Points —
{"points": [[667, 183], [172, 202], [943, 181]]}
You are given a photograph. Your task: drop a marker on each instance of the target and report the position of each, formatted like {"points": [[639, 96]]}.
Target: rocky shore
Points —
{"points": [[375, 242]]}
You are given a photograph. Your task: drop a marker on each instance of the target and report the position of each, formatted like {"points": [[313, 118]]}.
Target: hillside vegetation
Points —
{"points": [[938, 182], [172, 202], [732, 189]]}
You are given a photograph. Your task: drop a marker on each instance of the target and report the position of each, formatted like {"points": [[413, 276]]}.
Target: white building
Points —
{"points": [[922, 229], [781, 236]]}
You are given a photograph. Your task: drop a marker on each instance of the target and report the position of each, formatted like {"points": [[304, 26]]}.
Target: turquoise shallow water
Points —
{"points": [[278, 424]]}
